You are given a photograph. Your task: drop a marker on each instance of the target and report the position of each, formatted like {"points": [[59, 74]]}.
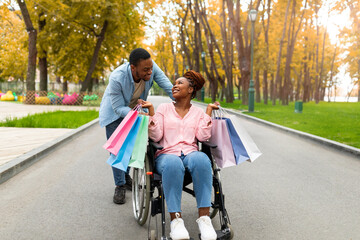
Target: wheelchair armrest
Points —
{"points": [[155, 145], [207, 144]]}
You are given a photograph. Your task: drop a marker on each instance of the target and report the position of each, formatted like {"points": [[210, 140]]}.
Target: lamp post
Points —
{"points": [[203, 89], [252, 16]]}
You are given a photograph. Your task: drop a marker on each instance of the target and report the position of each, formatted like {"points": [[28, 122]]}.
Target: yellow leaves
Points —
{"points": [[13, 47]]}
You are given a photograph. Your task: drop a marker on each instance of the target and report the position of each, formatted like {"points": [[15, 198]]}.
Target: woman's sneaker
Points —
{"points": [[178, 230], [207, 231]]}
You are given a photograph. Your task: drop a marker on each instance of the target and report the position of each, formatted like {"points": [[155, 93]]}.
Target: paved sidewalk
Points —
{"points": [[15, 142]]}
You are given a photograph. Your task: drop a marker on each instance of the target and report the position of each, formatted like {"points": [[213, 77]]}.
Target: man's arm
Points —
{"points": [[162, 80], [117, 96]]}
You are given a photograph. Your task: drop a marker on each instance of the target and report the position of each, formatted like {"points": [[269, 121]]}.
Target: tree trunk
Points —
{"points": [[242, 51], [183, 40], [257, 87], [213, 74], [266, 33], [94, 59], [42, 61], [317, 80], [277, 76], [265, 87], [292, 35], [197, 36], [65, 86], [43, 76], [229, 55], [176, 67], [272, 86], [31, 70]]}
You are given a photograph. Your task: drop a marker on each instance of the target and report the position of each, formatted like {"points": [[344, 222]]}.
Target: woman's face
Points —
{"points": [[181, 88]]}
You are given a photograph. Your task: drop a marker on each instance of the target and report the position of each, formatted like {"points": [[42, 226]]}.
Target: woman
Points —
{"points": [[178, 126]]}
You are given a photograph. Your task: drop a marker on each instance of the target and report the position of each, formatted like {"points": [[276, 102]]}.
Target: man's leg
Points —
{"points": [[122, 179]]}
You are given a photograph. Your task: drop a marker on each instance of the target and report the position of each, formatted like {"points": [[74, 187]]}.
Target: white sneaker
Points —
{"points": [[177, 229], [206, 228]]}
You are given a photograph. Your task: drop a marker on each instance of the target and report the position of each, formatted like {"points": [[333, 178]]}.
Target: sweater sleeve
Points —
{"points": [[156, 125]]}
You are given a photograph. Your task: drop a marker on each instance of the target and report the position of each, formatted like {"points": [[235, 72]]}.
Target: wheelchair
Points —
{"points": [[148, 196]]}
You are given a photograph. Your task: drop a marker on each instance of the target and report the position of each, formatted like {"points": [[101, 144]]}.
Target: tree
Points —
{"points": [[30, 76], [351, 37], [13, 39]]}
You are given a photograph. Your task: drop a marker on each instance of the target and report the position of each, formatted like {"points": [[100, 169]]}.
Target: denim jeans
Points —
{"points": [[172, 168], [119, 175]]}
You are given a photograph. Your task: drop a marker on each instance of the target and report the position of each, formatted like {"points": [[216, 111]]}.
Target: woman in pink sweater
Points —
{"points": [[178, 126]]}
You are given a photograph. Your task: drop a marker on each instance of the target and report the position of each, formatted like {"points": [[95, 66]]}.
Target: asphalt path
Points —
{"points": [[297, 189]]}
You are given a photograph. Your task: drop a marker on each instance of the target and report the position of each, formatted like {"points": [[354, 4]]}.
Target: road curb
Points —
{"points": [[15, 166], [324, 141]]}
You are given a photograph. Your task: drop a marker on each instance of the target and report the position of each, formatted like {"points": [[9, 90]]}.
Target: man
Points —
{"points": [[128, 83]]}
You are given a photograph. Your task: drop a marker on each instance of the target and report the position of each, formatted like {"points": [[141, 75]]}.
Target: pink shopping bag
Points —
{"points": [[116, 140], [223, 154]]}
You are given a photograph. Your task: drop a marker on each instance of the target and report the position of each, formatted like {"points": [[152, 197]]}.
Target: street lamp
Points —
{"points": [[252, 17], [203, 89]]}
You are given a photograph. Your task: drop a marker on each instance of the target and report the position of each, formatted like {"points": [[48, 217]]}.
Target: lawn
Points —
{"points": [[56, 119], [336, 121]]}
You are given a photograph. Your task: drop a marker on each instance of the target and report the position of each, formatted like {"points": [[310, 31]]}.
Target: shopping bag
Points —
{"points": [[114, 143], [241, 155], [121, 160], [138, 154], [223, 154], [248, 143]]}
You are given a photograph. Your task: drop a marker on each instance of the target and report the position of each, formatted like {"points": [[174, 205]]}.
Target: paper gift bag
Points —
{"points": [[249, 144], [241, 155], [138, 154], [114, 143], [121, 160], [223, 154]]}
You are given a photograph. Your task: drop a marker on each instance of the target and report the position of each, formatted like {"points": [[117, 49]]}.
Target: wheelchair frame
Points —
{"points": [[146, 181]]}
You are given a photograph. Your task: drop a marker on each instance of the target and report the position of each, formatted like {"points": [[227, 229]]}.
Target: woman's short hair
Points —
{"points": [[138, 54], [196, 81]]}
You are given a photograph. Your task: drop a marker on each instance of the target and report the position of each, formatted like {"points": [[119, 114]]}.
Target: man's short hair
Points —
{"points": [[138, 54]]}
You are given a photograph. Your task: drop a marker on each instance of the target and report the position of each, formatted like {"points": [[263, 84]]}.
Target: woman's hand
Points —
{"points": [[211, 107], [214, 105], [148, 105]]}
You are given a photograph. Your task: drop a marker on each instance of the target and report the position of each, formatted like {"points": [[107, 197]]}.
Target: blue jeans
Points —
{"points": [[172, 168], [119, 175]]}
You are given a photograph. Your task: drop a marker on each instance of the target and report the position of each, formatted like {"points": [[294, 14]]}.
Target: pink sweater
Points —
{"points": [[178, 134]]}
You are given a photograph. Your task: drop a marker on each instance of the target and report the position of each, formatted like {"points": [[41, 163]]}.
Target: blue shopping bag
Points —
{"points": [[121, 160], [240, 152]]}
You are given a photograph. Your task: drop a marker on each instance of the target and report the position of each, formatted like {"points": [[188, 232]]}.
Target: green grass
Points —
{"points": [[336, 121], [56, 119]]}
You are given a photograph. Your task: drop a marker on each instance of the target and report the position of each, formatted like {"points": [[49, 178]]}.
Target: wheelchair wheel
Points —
{"points": [[231, 231], [153, 235], [141, 193]]}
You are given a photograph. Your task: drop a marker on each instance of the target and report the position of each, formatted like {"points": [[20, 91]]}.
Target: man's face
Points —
{"points": [[143, 70]]}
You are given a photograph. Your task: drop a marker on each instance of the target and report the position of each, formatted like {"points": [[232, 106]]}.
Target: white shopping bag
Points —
{"points": [[249, 144]]}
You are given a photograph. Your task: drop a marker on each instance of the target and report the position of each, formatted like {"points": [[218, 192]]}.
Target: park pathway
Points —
{"points": [[297, 189]]}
